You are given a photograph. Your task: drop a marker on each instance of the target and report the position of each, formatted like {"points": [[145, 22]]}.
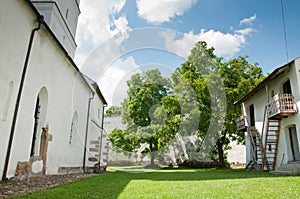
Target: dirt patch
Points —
{"points": [[14, 187]]}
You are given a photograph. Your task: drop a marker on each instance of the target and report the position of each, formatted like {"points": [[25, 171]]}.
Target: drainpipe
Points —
{"points": [[17, 105], [87, 130], [102, 129]]}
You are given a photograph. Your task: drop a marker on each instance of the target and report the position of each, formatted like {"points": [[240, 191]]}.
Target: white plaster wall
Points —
{"points": [[248, 147], [259, 101], [15, 29], [237, 153], [66, 93], [97, 109], [48, 67], [296, 90], [95, 131], [284, 149]]}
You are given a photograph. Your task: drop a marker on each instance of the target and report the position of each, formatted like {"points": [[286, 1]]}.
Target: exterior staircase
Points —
{"points": [[264, 146], [257, 159], [271, 144], [259, 150]]}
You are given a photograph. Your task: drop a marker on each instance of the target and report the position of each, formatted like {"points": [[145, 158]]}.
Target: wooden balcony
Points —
{"points": [[240, 123], [281, 105]]}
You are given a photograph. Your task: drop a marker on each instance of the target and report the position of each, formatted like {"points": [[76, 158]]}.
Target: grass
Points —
{"points": [[135, 182]]}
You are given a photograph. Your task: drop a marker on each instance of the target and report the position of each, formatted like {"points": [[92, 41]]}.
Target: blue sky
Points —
{"points": [[234, 27]]}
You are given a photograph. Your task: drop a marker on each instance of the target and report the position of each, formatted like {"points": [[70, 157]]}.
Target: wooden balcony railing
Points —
{"points": [[281, 105], [240, 123]]}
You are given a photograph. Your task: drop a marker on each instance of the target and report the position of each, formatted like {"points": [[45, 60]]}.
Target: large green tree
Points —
{"points": [[217, 85], [205, 88], [146, 112], [239, 77]]}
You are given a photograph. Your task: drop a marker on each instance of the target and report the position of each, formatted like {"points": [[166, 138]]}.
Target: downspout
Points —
{"points": [[102, 129], [87, 130], [17, 105]]}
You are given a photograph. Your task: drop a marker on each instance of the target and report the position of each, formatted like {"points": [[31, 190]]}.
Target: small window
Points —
{"points": [[67, 13], [73, 130], [286, 87]]}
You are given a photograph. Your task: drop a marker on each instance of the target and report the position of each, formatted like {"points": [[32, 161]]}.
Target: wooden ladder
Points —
{"points": [[257, 150], [271, 143]]}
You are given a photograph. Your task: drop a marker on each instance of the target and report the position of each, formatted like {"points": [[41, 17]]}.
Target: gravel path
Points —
{"points": [[14, 187]]}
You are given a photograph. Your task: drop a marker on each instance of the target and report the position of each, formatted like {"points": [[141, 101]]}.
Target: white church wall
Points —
{"points": [[15, 29], [48, 69]]}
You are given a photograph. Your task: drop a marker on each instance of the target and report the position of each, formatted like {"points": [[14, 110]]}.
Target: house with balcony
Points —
{"points": [[271, 121]]}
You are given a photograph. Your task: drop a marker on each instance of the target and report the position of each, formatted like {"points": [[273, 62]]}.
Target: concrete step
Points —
{"points": [[288, 169]]}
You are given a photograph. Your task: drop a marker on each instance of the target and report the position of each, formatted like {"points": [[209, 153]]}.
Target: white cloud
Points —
{"points": [[180, 47], [245, 31], [97, 23], [225, 44], [113, 83], [120, 26], [118, 5], [248, 20], [158, 11]]}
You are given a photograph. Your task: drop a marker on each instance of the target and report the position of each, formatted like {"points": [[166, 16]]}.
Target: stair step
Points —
{"points": [[269, 141], [273, 131]]}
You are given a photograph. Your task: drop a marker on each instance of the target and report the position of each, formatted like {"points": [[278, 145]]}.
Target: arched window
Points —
{"points": [[40, 112], [67, 13], [73, 130]]}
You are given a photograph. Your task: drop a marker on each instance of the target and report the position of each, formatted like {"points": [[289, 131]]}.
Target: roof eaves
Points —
{"points": [[271, 76], [96, 88]]}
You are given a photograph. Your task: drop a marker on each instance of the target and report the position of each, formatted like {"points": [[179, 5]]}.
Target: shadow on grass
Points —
{"points": [[113, 183]]}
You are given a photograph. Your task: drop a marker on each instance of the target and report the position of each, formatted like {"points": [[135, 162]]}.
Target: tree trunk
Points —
{"points": [[151, 155], [152, 160], [221, 153]]}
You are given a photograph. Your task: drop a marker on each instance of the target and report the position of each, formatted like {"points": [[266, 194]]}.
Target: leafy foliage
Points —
{"points": [[146, 113], [113, 111], [210, 77]]}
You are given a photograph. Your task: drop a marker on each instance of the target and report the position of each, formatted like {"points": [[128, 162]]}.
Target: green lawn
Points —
{"points": [[178, 183]]}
